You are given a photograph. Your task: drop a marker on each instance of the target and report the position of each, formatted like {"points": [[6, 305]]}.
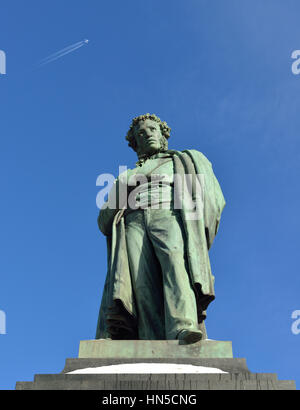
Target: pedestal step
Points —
{"points": [[206, 353], [246, 381]]}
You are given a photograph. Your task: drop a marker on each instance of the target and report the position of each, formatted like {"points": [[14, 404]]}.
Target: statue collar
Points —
{"points": [[161, 154]]}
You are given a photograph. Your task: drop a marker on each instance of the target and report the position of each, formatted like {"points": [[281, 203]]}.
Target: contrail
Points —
{"points": [[63, 52]]}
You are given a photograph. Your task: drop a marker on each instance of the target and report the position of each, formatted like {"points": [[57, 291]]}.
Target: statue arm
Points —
{"points": [[105, 220], [109, 210], [117, 199]]}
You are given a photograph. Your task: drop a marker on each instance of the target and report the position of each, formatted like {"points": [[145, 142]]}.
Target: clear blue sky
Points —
{"points": [[219, 72]]}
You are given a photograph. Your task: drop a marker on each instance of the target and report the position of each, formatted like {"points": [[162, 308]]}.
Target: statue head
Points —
{"points": [[148, 135]]}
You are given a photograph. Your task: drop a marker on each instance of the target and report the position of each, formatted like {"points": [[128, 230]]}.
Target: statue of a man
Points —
{"points": [[159, 281]]}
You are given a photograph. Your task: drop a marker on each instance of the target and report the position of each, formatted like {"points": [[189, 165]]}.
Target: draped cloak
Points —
{"points": [[118, 315]]}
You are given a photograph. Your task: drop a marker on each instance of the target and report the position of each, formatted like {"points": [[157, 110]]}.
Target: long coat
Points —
{"points": [[118, 316]]}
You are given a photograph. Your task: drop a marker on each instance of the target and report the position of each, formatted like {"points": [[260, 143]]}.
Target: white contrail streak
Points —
{"points": [[62, 52]]}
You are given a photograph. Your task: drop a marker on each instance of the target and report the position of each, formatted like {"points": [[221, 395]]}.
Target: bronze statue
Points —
{"points": [[159, 281]]}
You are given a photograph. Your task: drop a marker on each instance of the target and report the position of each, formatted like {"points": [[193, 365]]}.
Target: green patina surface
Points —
{"points": [[151, 349], [159, 282]]}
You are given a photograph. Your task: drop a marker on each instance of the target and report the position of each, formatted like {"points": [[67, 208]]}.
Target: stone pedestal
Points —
{"points": [[233, 375], [153, 349]]}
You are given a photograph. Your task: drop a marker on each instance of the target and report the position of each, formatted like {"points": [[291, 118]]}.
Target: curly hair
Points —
{"points": [[164, 128]]}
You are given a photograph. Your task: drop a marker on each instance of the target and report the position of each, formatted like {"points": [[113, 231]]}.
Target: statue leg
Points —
{"points": [[146, 278], [166, 232]]}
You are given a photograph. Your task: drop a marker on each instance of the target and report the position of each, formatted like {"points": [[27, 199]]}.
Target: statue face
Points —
{"points": [[148, 137]]}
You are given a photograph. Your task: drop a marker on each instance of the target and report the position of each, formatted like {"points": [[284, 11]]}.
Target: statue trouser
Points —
{"points": [[164, 297]]}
